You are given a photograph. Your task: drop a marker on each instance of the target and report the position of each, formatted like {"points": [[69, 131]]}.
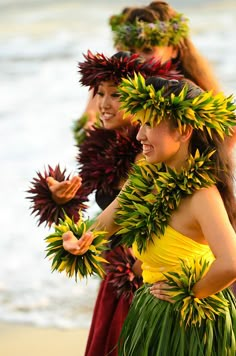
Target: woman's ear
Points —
{"points": [[186, 133]]}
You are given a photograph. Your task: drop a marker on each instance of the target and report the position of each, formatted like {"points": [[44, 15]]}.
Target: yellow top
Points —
{"points": [[165, 253]]}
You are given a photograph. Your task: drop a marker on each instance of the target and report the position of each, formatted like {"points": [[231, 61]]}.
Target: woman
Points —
{"points": [[159, 30], [155, 30], [178, 211], [107, 153]]}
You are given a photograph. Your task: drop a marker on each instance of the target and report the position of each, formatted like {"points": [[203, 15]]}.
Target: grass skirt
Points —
{"points": [[153, 327]]}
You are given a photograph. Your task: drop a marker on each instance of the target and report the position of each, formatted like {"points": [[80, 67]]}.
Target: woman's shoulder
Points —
{"points": [[206, 198]]}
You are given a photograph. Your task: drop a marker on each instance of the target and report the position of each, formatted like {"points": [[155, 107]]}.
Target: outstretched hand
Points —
{"points": [[160, 291], [75, 246], [64, 191]]}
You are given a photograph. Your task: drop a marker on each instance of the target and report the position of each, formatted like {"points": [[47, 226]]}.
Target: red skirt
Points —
{"points": [[108, 318], [113, 302]]}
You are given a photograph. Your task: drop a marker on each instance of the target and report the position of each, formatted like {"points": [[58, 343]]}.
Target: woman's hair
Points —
{"points": [[202, 141], [192, 64]]}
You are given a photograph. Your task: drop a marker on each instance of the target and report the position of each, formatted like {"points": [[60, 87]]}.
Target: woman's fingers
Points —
{"points": [[71, 243], [64, 191], [75, 246], [160, 291]]}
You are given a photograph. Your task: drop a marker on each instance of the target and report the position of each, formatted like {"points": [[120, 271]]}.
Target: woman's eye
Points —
{"points": [[147, 124], [147, 50], [99, 93], [116, 95]]}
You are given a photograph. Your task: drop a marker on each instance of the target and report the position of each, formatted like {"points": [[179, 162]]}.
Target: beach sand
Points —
{"points": [[21, 340]]}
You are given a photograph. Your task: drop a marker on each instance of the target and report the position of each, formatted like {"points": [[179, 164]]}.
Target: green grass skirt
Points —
{"points": [[153, 327]]}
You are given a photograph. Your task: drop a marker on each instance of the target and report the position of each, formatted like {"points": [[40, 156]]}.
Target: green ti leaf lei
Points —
{"points": [[143, 34], [215, 112], [80, 266], [153, 193], [193, 310]]}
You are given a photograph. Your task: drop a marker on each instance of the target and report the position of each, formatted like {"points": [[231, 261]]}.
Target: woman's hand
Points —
{"points": [[160, 291], [64, 191], [75, 246]]}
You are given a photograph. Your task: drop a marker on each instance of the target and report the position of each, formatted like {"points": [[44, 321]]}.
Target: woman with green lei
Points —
{"points": [[104, 160], [178, 211], [155, 30]]}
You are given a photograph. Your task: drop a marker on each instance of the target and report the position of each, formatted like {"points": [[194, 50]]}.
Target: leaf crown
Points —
{"points": [[144, 34], [148, 105], [98, 67]]}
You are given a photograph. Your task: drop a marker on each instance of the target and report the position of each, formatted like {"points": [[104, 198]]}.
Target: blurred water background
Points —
{"points": [[40, 45]]}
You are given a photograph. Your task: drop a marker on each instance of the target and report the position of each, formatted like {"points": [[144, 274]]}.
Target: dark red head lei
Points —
{"points": [[97, 68]]}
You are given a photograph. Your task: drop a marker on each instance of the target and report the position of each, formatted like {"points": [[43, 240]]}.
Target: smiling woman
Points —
{"points": [[178, 212]]}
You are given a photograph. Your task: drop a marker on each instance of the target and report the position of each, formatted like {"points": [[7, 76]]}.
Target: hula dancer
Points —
{"points": [[178, 211], [104, 160]]}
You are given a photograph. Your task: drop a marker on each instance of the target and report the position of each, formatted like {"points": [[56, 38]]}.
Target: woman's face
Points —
{"points": [[164, 53], [161, 144], [108, 105]]}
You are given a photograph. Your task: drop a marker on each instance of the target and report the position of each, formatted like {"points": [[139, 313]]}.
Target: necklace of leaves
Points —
{"points": [[154, 192]]}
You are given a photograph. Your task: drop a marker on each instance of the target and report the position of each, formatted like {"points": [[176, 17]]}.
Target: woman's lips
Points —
{"points": [[106, 116], [147, 149]]}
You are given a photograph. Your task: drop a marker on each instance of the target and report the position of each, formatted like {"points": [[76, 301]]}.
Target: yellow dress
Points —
{"points": [[154, 327], [163, 255]]}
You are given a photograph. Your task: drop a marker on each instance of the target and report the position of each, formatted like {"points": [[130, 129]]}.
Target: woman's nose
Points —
{"points": [[106, 102], [141, 133]]}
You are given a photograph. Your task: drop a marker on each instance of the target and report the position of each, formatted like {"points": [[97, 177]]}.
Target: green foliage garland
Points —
{"points": [[154, 192], [193, 310], [80, 266], [215, 112]]}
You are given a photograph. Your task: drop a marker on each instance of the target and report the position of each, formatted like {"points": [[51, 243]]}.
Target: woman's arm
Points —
{"points": [[104, 221], [209, 211]]}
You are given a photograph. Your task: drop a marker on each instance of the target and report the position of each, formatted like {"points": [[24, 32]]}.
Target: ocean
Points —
{"points": [[40, 45]]}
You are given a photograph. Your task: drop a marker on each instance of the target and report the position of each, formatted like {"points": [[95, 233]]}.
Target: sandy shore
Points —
{"points": [[20, 340]]}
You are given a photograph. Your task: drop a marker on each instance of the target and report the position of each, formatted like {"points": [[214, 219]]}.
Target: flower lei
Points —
{"points": [[143, 34], [154, 192], [215, 112]]}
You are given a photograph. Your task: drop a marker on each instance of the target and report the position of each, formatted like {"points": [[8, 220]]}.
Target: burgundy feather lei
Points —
{"points": [[44, 207], [121, 275], [106, 157]]}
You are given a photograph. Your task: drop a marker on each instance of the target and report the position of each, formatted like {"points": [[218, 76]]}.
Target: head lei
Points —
{"points": [[144, 34], [97, 68], [147, 105]]}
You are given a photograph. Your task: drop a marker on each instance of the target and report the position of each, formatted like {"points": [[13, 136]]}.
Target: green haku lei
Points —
{"points": [[80, 266], [147, 35], [153, 193], [215, 112]]}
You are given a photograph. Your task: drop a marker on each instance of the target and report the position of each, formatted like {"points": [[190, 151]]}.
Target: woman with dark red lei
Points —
{"points": [[104, 160]]}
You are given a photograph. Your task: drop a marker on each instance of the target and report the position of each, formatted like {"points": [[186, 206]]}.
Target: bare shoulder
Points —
{"points": [[206, 195], [208, 202]]}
